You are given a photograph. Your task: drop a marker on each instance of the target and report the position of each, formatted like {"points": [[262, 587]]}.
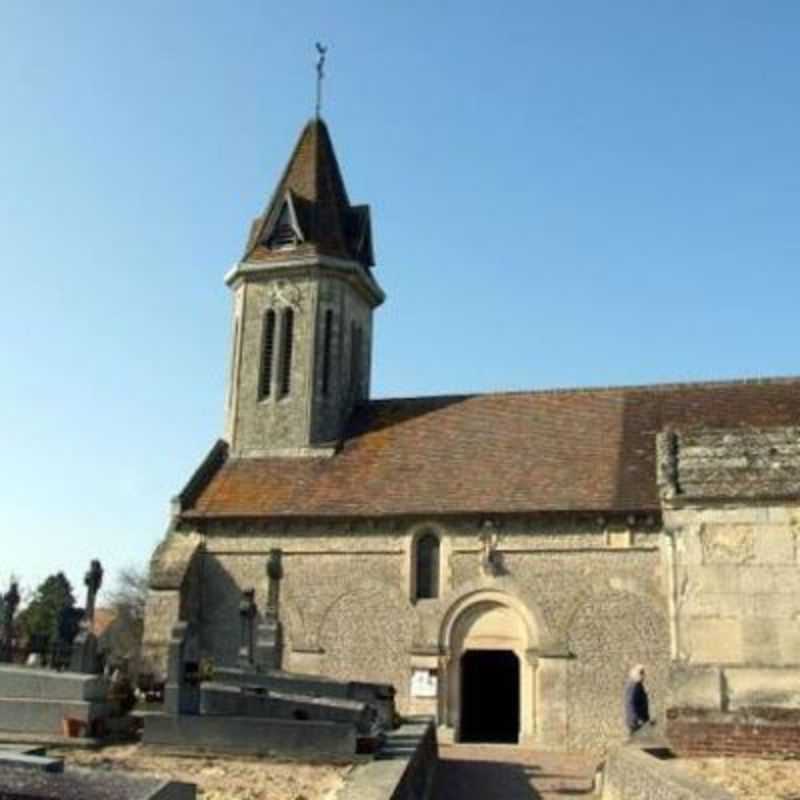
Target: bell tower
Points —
{"points": [[302, 312]]}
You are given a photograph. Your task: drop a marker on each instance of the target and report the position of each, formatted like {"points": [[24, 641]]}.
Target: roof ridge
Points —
{"points": [[665, 386]]}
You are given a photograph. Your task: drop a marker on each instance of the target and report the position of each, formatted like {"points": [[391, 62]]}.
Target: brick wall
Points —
{"points": [[756, 732]]}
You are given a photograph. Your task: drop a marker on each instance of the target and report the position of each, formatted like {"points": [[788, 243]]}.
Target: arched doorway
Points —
{"points": [[489, 638], [489, 696]]}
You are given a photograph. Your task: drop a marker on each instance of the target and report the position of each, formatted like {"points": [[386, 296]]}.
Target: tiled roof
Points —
{"points": [[581, 450], [330, 226]]}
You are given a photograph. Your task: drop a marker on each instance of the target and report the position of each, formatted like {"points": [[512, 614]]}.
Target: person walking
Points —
{"points": [[637, 706]]}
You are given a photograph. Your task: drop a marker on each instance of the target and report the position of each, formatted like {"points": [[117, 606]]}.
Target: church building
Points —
{"points": [[501, 559]]}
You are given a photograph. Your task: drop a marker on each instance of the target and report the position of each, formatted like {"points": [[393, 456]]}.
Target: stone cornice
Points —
{"points": [[309, 266]]}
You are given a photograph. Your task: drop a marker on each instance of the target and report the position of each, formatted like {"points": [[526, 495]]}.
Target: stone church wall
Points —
{"points": [[603, 596], [347, 611], [734, 568]]}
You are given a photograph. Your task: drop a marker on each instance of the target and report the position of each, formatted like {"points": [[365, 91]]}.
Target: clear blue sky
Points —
{"points": [[563, 194]]}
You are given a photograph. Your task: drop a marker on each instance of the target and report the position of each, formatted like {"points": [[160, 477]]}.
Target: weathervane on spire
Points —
{"points": [[320, 74]]}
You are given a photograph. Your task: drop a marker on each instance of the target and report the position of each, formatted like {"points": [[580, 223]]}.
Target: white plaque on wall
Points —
{"points": [[423, 683]]}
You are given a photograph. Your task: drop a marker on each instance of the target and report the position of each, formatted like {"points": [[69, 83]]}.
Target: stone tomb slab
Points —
{"points": [[217, 698], [251, 735], [46, 716], [45, 684], [381, 696], [38, 700], [23, 783]]}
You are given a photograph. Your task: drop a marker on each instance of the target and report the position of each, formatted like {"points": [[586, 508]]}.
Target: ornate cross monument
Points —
{"points": [[10, 604], [268, 646], [84, 648]]}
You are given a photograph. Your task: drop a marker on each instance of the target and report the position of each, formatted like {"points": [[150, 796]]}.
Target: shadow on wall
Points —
{"points": [[219, 613]]}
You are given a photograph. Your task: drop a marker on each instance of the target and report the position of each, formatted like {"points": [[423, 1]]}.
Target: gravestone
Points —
{"points": [[247, 613], [84, 647], [181, 694], [269, 639], [68, 624]]}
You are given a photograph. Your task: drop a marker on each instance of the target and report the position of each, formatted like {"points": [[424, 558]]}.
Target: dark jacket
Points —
{"points": [[637, 710]]}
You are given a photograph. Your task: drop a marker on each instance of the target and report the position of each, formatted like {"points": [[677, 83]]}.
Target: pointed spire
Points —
{"points": [[312, 192]]}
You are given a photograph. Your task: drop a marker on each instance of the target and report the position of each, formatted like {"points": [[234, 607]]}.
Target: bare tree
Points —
{"points": [[127, 599]]}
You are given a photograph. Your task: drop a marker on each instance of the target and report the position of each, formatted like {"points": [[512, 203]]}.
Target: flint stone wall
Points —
{"points": [[304, 417], [347, 610]]}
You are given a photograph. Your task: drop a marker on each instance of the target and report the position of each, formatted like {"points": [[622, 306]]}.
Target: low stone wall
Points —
{"points": [[404, 769], [754, 732], [631, 774]]}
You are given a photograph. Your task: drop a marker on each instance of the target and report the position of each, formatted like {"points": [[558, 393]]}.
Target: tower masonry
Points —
{"points": [[302, 320]]}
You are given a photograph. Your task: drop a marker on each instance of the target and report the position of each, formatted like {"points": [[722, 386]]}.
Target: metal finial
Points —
{"points": [[320, 75]]}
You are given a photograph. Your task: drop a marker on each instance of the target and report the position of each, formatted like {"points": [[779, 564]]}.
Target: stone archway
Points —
{"points": [[479, 624]]}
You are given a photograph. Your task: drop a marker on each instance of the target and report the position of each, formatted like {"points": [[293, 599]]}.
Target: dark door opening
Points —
{"points": [[489, 696]]}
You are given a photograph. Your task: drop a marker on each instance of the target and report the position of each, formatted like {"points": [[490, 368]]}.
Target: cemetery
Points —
{"points": [[64, 724]]}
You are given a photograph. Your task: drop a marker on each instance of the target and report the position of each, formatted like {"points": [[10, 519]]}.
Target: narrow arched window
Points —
{"points": [[287, 334], [427, 566], [267, 354], [234, 356], [327, 336], [355, 358]]}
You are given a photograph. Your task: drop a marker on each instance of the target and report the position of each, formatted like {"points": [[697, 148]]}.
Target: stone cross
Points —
{"points": [[268, 644], [247, 613], [93, 580], [10, 604], [274, 575]]}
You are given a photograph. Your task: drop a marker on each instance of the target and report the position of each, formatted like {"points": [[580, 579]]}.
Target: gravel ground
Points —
{"points": [[221, 778], [749, 778]]}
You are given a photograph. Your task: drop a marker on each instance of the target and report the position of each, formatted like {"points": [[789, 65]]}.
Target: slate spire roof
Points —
{"points": [[309, 212]]}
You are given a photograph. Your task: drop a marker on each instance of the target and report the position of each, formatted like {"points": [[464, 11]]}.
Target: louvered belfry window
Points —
{"points": [[355, 357], [327, 336], [283, 234], [267, 354], [427, 566], [287, 335]]}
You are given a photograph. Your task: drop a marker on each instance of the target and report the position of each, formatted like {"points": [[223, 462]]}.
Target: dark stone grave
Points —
{"points": [[25, 780]]}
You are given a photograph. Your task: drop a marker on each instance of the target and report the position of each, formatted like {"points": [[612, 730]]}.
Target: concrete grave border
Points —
{"points": [[404, 769]]}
